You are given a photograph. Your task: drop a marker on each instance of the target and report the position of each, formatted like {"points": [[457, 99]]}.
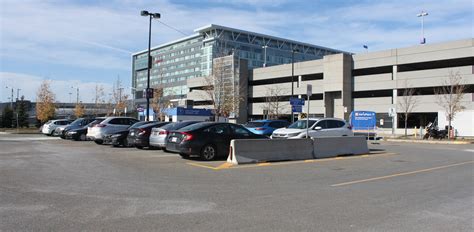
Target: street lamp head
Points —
{"points": [[156, 15], [144, 13]]}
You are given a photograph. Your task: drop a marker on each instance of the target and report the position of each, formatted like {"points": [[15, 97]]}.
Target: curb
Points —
{"points": [[429, 141]]}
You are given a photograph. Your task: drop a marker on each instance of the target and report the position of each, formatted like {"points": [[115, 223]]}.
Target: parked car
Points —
{"points": [[265, 127], [79, 134], [49, 127], [318, 127], [140, 137], [207, 140], [76, 124], [159, 135], [108, 126], [120, 138]]}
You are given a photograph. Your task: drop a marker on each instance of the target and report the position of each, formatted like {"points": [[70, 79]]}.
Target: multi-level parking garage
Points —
{"points": [[372, 81]]}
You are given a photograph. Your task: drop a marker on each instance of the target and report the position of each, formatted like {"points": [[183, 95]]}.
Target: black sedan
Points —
{"points": [[207, 140], [79, 134], [120, 138], [77, 124], [140, 136]]}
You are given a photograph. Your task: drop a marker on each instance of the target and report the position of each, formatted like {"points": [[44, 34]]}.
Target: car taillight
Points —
{"points": [[164, 132], [259, 128], [141, 131], [187, 136], [100, 125]]}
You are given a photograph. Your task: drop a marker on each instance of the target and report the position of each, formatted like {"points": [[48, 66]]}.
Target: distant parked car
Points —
{"points": [[49, 127], [120, 138], [208, 140], [140, 136], [76, 124], [79, 134], [108, 126], [265, 127], [318, 127], [159, 135]]}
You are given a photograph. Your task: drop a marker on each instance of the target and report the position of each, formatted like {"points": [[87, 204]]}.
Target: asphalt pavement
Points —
{"points": [[58, 185]]}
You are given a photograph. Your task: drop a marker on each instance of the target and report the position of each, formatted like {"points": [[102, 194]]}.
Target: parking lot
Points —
{"points": [[48, 184]]}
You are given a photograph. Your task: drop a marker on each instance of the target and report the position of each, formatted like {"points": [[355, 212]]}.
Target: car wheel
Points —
{"points": [[208, 152], [82, 137], [184, 156], [125, 143], [99, 142], [139, 147]]}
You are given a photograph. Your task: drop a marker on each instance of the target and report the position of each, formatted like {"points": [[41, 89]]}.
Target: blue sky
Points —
{"points": [[84, 43]]}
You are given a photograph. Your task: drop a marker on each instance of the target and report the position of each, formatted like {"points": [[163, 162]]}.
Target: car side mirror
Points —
{"points": [[318, 128]]}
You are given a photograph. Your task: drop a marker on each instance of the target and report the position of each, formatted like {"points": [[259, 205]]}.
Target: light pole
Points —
{"points": [[148, 91], [292, 80], [422, 15], [17, 94], [11, 98], [265, 55]]}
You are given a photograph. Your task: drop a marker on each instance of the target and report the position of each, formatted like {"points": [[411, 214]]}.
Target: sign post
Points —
{"points": [[309, 92], [392, 112]]}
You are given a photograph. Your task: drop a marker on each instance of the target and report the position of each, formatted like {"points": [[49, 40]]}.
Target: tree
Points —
{"points": [[274, 103], [159, 102], [98, 98], [22, 111], [224, 93], [45, 102], [407, 103], [449, 96], [7, 117], [79, 110]]}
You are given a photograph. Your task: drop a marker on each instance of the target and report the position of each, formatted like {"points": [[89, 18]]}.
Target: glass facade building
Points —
{"points": [[175, 62]]}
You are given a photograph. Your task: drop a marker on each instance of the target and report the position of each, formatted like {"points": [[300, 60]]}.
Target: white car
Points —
{"points": [[49, 127], [318, 127], [110, 125]]}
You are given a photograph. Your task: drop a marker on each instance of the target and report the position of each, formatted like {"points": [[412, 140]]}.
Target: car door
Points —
{"points": [[219, 135], [320, 132], [239, 132]]}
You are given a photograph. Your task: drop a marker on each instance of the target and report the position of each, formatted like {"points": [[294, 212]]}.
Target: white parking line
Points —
{"points": [[469, 150]]}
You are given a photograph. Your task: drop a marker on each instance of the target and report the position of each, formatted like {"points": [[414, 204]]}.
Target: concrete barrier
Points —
{"points": [[244, 151], [326, 147]]}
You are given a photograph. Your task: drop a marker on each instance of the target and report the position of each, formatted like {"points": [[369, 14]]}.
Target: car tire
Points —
{"points": [[100, 142], [139, 147], [125, 143], [184, 156], [82, 137], [208, 152]]}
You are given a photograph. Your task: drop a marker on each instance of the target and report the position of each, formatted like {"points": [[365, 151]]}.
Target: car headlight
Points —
{"points": [[72, 132]]}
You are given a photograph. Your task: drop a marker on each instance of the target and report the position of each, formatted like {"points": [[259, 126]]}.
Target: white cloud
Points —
{"points": [[29, 85]]}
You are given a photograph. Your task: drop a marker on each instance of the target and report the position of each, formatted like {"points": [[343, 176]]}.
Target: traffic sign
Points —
{"points": [[392, 112], [296, 102], [297, 108], [309, 90], [140, 109]]}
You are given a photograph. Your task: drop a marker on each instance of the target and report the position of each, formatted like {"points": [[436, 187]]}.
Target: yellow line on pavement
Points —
{"points": [[401, 174], [202, 166]]}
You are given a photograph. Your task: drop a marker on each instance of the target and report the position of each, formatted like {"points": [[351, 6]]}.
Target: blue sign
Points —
{"points": [[363, 120], [187, 112], [297, 109], [296, 101]]}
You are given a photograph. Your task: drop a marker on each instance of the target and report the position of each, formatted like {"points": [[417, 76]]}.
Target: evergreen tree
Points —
{"points": [[22, 110], [7, 117]]}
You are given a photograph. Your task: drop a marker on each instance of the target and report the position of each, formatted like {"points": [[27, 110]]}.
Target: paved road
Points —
{"points": [[56, 185]]}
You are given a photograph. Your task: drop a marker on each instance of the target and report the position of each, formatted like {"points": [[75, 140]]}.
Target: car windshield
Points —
{"points": [[77, 122], [301, 124], [254, 124]]}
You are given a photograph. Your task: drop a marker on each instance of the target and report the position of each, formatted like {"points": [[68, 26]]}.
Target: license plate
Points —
{"points": [[174, 139], [155, 133]]}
